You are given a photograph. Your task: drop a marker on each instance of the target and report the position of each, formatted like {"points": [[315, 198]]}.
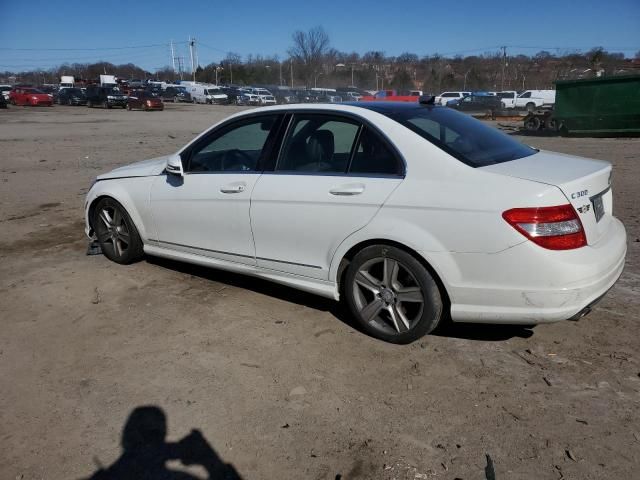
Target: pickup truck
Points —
{"points": [[529, 99]]}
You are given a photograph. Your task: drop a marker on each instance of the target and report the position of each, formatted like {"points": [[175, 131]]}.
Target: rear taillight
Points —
{"points": [[555, 228]]}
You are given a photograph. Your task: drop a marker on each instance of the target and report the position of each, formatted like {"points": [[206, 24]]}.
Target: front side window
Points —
{"points": [[526, 95], [462, 136], [318, 143], [237, 148]]}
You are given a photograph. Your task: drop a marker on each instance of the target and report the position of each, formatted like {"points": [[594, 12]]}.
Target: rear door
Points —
{"points": [[332, 176]]}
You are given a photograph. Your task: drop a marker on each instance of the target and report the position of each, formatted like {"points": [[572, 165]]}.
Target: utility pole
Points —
{"points": [[291, 65], [173, 57], [504, 64], [192, 43]]}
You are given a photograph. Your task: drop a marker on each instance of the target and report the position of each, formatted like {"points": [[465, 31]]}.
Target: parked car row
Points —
{"points": [[527, 100]]}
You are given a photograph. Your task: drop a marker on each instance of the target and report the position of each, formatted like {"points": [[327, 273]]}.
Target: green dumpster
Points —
{"points": [[604, 105]]}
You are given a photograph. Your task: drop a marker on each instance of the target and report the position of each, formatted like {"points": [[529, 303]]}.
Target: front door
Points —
{"points": [[206, 211], [332, 176]]}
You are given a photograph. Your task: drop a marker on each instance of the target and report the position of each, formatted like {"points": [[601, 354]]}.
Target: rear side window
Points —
{"points": [[318, 143], [373, 156]]}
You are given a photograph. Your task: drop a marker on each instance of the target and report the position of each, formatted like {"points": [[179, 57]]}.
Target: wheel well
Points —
{"points": [[353, 251]]}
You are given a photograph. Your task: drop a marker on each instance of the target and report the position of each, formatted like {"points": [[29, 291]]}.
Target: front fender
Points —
{"points": [[133, 194]]}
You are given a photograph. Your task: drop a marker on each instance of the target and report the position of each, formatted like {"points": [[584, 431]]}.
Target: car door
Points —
{"points": [[206, 211], [331, 177]]}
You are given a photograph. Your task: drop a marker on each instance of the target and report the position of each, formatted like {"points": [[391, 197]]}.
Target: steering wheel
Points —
{"points": [[237, 156]]}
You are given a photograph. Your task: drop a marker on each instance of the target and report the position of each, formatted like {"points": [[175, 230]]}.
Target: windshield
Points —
{"points": [[460, 135], [114, 90], [73, 91]]}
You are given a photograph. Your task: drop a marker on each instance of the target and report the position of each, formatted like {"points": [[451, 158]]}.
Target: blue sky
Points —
{"points": [[99, 30]]}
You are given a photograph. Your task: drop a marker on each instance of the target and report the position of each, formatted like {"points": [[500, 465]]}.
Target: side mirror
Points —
{"points": [[174, 165]]}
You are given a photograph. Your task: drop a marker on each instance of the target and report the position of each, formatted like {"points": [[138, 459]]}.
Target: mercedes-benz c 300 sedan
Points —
{"points": [[409, 213]]}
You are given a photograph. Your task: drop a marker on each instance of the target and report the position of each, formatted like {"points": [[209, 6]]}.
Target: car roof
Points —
{"points": [[348, 107]]}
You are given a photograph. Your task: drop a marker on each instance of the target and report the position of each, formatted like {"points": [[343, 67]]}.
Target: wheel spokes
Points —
{"points": [[106, 218], [366, 280], [371, 311], [390, 272], [409, 294]]}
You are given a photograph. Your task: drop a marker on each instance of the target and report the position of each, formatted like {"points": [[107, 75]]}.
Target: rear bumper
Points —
{"points": [[527, 284]]}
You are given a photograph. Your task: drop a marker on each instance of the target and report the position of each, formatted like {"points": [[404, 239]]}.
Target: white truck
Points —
{"points": [[108, 81], [67, 81], [529, 99]]}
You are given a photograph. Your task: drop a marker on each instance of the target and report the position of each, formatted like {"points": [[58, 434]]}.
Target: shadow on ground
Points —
{"points": [[480, 332], [145, 452]]}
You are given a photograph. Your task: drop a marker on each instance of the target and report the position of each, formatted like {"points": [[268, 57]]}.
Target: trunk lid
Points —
{"points": [[586, 183]]}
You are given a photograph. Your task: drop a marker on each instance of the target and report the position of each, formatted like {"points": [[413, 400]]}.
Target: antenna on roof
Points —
{"points": [[427, 100]]}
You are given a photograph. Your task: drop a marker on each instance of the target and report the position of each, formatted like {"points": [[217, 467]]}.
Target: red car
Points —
{"points": [[144, 100], [29, 96]]}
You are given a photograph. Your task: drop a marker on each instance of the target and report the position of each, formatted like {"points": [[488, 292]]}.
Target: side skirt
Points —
{"points": [[318, 287]]}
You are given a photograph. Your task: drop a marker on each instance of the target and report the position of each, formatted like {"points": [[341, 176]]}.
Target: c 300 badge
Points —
{"points": [[584, 208]]}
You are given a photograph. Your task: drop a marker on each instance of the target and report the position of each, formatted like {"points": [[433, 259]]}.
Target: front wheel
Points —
{"points": [[530, 107], [117, 235], [392, 295]]}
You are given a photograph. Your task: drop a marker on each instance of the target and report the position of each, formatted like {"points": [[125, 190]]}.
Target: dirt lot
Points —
{"points": [[277, 381]]}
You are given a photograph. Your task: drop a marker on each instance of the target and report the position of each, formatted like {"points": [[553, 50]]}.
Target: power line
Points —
{"points": [[84, 49]]}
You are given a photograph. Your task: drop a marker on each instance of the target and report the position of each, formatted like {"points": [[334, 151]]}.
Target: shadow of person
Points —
{"points": [[145, 452]]}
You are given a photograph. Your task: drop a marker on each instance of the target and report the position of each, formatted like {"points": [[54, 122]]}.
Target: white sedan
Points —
{"points": [[409, 213]]}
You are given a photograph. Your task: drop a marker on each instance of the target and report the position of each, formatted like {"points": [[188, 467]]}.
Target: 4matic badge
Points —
{"points": [[584, 208]]}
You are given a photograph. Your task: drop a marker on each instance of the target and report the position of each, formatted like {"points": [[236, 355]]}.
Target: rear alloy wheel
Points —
{"points": [[117, 235], [530, 107], [392, 295]]}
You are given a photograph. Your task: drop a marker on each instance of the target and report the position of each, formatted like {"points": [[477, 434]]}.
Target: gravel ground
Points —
{"points": [[277, 381]]}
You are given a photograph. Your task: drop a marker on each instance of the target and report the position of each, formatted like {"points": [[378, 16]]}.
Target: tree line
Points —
{"points": [[311, 61]]}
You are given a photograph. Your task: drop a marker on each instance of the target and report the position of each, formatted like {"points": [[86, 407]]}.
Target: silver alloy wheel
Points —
{"points": [[387, 295], [113, 230]]}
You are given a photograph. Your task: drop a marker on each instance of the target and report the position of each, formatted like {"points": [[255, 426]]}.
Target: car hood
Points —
{"points": [[146, 168]]}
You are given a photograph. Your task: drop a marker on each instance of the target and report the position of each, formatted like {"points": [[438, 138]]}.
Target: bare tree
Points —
{"points": [[309, 49]]}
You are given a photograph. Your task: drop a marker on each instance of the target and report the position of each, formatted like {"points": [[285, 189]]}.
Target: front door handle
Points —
{"points": [[232, 189], [349, 189]]}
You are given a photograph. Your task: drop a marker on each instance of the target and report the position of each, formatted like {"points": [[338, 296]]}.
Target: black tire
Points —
{"points": [[175, 100], [532, 124], [414, 317], [530, 106], [69, 102], [128, 107], [551, 125], [89, 104], [120, 241]]}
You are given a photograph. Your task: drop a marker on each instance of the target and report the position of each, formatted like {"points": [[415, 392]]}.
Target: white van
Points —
{"points": [[532, 99], [207, 94], [446, 97]]}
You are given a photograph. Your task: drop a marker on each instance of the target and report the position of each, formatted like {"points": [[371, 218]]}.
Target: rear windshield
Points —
{"points": [[460, 135]]}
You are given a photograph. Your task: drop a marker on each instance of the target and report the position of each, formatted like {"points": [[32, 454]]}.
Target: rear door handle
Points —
{"points": [[346, 190], [232, 189]]}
